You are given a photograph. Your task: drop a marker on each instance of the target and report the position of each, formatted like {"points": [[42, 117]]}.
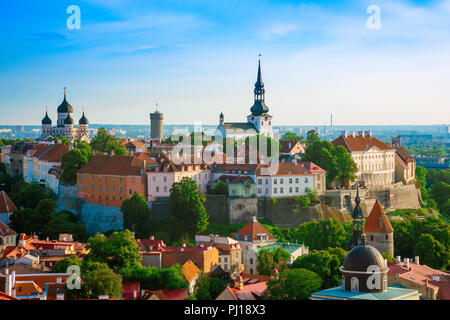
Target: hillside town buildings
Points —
{"points": [[374, 159]]}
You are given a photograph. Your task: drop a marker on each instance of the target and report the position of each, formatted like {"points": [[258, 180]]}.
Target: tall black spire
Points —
{"points": [[358, 221], [259, 107]]}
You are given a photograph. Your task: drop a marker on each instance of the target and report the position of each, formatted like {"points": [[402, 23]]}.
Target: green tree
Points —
{"points": [[186, 203], [293, 284], [220, 187], [216, 287], [29, 195], [104, 142], [201, 288], [265, 262], [65, 222], [73, 161], [431, 252], [291, 136], [440, 192], [280, 255], [62, 265], [151, 278], [345, 166], [64, 140], [388, 257], [322, 234], [119, 250], [325, 263], [20, 221], [136, 215], [103, 282]]}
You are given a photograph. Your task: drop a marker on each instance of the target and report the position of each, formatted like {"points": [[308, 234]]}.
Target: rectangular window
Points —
{"points": [[157, 188], [165, 179], [281, 181], [275, 181], [165, 189], [296, 180], [260, 181], [296, 189], [281, 190], [306, 180], [290, 189], [290, 180], [259, 191], [275, 190], [154, 179]]}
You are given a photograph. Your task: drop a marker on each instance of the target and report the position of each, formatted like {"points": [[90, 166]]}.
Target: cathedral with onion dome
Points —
{"points": [[65, 124]]}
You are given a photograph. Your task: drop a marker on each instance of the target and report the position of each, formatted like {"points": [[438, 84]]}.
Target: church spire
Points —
{"points": [[259, 107], [358, 221]]}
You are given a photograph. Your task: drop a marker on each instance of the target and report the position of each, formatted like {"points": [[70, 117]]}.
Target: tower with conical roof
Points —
{"points": [[357, 222], [259, 116], [379, 231]]}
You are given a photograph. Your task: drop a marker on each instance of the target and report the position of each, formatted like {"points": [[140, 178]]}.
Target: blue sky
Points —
{"points": [[198, 58]]}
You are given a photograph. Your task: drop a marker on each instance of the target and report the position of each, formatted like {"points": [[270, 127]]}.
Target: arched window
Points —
{"points": [[354, 284]]}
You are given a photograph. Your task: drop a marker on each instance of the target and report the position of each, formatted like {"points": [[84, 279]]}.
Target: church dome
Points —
{"points": [[68, 120], [83, 120], [46, 119], [363, 256], [65, 107]]}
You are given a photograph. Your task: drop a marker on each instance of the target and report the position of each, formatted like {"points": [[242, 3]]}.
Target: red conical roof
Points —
{"points": [[378, 221]]}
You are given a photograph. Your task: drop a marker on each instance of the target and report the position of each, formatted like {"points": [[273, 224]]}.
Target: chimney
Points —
{"points": [[59, 141], [111, 153], [353, 134], [369, 133], [416, 260], [426, 282], [361, 133], [344, 133], [104, 297], [399, 259], [184, 245], [47, 239], [406, 262], [58, 280], [294, 161], [152, 237], [290, 145]]}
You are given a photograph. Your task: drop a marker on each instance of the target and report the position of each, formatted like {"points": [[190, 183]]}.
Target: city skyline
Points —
{"points": [[199, 58]]}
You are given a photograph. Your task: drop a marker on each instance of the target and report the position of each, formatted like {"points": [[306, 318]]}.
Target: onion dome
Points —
{"points": [[83, 120], [65, 107], [363, 256], [46, 120], [69, 120]]}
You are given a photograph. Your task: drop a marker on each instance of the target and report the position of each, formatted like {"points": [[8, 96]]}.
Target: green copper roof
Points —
{"points": [[290, 248], [393, 293]]}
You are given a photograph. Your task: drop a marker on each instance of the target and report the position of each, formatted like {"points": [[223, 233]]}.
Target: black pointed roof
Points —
{"points": [[259, 106], [46, 119], [65, 107], [83, 120], [68, 120], [357, 212]]}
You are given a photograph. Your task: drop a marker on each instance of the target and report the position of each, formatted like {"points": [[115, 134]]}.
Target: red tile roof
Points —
{"points": [[404, 155], [377, 221], [113, 165], [359, 143], [253, 228], [150, 244], [5, 230], [55, 153], [6, 204], [417, 273]]}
